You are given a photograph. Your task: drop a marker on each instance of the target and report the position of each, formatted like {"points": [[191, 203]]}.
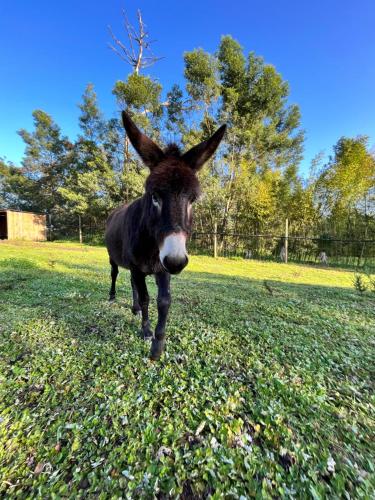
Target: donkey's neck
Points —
{"points": [[144, 246], [143, 217]]}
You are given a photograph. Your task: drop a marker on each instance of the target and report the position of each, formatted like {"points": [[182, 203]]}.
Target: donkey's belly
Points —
{"points": [[114, 237]]}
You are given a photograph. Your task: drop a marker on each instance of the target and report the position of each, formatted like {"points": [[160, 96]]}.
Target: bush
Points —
{"points": [[359, 283]]}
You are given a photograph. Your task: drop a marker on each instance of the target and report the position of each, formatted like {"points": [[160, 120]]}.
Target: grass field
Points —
{"points": [[266, 389]]}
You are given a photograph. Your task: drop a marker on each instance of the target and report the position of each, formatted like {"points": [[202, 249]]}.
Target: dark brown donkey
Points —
{"points": [[148, 236]]}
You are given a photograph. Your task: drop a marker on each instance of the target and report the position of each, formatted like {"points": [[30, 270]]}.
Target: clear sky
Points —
{"points": [[50, 50]]}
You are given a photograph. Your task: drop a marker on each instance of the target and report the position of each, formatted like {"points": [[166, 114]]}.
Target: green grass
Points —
{"points": [[266, 388]]}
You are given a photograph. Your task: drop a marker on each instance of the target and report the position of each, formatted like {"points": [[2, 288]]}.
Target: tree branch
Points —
{"points": [[138, 53]]}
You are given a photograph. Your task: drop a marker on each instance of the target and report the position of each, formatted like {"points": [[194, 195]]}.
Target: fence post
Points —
{"points": [[49, 232], [215, 240], [286, 240], [80, 228]]}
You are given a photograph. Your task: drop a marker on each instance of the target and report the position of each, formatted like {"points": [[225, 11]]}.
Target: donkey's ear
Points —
{"points": [[198, 155], [150, 153]]}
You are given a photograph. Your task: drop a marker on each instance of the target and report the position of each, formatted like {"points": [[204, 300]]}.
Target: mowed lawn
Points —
{"points": [[266, 388]]}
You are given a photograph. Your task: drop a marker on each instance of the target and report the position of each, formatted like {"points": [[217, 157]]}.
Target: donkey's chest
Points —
{"points": [[150, 268], [147, 260]]}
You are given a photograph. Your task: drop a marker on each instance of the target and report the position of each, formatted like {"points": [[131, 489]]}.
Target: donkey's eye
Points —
{"points": [[155, 200]]}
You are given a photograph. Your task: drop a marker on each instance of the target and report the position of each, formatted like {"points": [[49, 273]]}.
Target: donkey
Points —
{"points": [[148, 236]]}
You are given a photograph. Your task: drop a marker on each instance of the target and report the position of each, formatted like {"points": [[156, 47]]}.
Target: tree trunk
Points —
{"points": [[80, 229]]}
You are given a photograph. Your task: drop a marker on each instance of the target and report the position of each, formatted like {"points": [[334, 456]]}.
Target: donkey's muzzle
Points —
{"points": [[173, 265], [172, 252]]}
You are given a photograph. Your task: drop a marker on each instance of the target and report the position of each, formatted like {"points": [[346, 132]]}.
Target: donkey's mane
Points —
{"points": [[172, 150]]}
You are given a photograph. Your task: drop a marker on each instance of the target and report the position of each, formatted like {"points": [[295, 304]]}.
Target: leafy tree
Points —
{"points": [[4, 175], [175, 121], [349, 174], [202, 81], [139, 93], [91, 121], [346, 184], [264, 134], [265, 128], [44, 166], [90, 184], [141, 96]]}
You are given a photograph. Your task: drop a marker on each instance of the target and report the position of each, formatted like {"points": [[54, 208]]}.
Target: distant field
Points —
{"points": [[266, 388]]}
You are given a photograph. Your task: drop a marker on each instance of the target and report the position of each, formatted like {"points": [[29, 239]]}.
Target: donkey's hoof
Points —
{"points": [[147, 333], [157, 348], [136, 310], [111, 299]]}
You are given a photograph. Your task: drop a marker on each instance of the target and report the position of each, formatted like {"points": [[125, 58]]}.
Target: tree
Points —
{"points": [[175, 121], [4, 175], [346, 184], [202, 80], [91, 120], [265, 128], [263, 144], [138, 53], [89, 187], [45, 163], [140, 95]]}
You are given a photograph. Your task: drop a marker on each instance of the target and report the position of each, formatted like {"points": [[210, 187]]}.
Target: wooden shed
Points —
{"points": [[22, 226]]}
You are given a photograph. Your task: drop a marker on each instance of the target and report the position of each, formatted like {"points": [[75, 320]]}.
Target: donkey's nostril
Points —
{"points": [[174, 265]]}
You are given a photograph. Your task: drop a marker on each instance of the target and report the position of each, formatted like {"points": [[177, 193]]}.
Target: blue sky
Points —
{"points": [[50, 50]]}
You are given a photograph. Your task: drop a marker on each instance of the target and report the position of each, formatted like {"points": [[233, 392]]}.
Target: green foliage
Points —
{"points": [[45, 164], [89, 187], [372, 283], [364, 281], [201, 76], [18, 191], [91, 121], [359, 283], [349, 175], [5, 174], [140, 95], [175, 108], [232, 70], [344, 188], [139, 92], [258, 395], [263, 144]]}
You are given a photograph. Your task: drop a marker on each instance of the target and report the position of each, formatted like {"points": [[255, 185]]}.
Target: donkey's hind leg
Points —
{"points": [[114, 274], [136, 308]]}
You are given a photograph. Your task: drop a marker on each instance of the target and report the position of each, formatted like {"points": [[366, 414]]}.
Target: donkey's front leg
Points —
{"points": [[136, 308], [139, 282], [114, 274], [164, 301]]}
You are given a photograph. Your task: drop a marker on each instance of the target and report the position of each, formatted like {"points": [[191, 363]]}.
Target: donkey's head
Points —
{"points": [[171, 189]]}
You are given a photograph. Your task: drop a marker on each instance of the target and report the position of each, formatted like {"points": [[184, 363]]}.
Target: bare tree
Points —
{"points": [[137, 53]]}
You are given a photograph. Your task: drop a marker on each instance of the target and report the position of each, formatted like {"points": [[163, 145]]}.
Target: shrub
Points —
{"points": [[359, 283]]}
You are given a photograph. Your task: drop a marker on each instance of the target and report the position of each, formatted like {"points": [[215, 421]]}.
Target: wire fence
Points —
{"points": [[324, 251], [328, 251]]}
